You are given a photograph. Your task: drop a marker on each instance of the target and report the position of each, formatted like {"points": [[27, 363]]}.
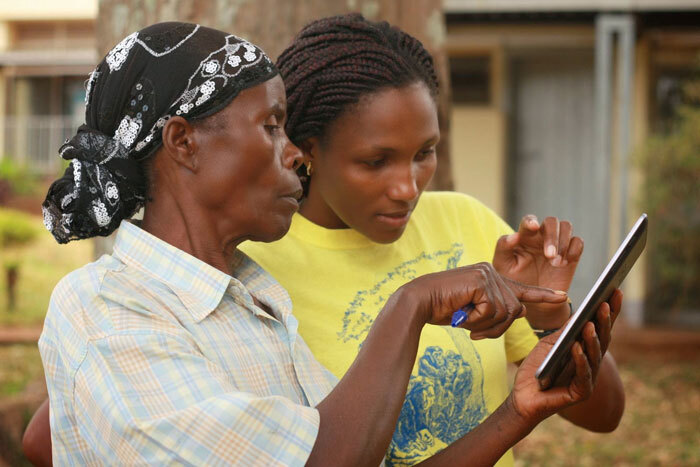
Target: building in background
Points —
{"points": [[47, 49], [550, 97]]}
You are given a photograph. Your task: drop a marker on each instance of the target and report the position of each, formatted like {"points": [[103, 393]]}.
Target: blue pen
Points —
{"points": [[461, 315]]}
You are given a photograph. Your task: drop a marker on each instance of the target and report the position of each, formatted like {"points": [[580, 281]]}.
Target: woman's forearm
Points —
{"points": [[359, 416], [486, 443], [36, 442]]}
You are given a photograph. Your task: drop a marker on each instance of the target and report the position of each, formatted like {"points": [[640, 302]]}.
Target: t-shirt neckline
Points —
{"points": [[334, 239]]}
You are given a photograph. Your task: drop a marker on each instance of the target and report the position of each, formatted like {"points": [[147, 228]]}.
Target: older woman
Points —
{"points": [[179, 348]]}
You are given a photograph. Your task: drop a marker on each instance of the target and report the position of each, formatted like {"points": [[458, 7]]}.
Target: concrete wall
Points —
{"points": [[479, 133], [38, 10], [567, 5], [478, 155]]}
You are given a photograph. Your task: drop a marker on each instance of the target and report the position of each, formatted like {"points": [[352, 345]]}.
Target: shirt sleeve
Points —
{"points": [[153, 398], [519, 340]]}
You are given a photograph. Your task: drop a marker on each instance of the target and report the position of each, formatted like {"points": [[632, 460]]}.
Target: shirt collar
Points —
{"points": [[198, 285], [259, 283]]}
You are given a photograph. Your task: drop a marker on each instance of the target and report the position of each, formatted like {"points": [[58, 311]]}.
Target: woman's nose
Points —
{"points": [[404, 187], [293, 156]]}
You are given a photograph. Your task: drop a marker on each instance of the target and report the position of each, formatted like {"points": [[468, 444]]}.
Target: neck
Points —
{"points": [[315, 209], [181, 224]]}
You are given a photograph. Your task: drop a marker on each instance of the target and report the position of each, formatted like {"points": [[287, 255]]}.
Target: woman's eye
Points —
{"points": [[425, 154], [273, 124], [375, 162]]}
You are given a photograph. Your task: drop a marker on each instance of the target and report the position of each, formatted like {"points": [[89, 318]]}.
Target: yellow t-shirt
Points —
{"points": [[339, 280]]}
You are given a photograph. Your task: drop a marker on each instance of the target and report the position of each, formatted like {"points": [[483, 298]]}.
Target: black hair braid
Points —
{"points": [[335, 61]]}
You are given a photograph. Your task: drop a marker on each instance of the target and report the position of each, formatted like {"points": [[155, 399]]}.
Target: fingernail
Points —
{"points": [[551, 251], [556, 261], [560, 292]]}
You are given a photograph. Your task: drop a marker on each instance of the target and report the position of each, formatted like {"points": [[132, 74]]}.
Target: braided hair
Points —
{"points": [[335, 61]]}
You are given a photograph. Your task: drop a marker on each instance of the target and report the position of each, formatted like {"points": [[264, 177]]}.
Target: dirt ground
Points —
{"points": [[660, 370], [657, 344]]}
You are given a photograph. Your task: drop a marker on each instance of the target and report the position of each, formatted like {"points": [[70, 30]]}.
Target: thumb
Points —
{"points": [[534, 294], [504, 248]]}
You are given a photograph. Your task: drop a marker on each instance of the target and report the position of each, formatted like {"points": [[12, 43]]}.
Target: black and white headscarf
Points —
{"points": [[164, 70]]}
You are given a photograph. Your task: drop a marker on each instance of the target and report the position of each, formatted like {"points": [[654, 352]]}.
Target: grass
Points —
{"points": [[20, 364], [43, 264], [660, 426]]}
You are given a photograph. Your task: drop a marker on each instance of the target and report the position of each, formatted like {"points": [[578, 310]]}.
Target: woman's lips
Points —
{"points": [[395, 219], [294, 198], [293, 201]]}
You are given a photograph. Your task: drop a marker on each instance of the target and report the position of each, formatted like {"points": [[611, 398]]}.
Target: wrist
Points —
{"points": [[408, 306], [546, 318], [522, 423]]}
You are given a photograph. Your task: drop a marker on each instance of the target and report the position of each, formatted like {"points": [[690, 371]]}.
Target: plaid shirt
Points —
{"points": [[153, 356]]}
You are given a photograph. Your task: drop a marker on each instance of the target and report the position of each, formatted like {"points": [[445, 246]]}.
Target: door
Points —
{"points": [[551, 144]]}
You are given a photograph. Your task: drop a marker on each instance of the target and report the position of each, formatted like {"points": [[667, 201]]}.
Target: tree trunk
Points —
{"points": [[272, 24], [11, 275]]}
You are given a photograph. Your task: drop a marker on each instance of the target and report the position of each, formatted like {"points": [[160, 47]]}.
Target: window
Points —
{"points": [[471, 79]]}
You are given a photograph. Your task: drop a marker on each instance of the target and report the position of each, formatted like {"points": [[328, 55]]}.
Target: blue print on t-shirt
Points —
{"points": [[356, 323], [445, 399]]}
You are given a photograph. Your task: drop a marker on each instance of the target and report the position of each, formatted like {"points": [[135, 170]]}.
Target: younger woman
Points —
{"points": [[361, 105]]}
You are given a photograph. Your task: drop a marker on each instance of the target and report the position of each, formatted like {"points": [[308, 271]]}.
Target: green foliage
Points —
{"points": [[44, 263], [671, 196], [21, 365], [16, 229], [19, 178]]}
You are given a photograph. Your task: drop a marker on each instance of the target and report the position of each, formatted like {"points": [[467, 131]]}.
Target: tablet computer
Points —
{"points": [[611, 278]]}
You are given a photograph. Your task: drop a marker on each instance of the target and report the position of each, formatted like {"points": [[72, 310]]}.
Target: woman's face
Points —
{"points": [[374, 162], [247, 181]]}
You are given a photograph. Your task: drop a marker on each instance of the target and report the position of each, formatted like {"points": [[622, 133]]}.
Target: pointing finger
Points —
{"points": [[531, 293]]}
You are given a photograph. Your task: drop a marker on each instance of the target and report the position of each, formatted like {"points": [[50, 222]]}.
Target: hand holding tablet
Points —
{"points": [[611, 278]]}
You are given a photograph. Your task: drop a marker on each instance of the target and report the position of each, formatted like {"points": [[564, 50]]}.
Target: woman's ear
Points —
{"points": [[179, 142], [310, 149]]}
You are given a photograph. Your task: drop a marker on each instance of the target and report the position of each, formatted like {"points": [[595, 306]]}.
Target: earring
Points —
{"points": [[309, 169]]}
